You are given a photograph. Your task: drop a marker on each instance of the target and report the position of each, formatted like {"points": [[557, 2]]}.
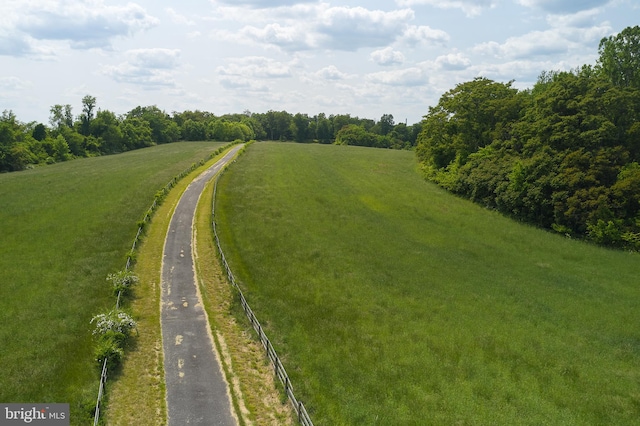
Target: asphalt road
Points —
{"points": [[196, 390]]}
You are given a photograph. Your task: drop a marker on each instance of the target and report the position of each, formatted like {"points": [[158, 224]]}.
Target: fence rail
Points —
{"points": [[280, 372]]}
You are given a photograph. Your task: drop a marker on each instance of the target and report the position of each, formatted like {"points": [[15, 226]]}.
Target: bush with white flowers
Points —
{"points": [[112, 331], [116, 321], [123, 281]]}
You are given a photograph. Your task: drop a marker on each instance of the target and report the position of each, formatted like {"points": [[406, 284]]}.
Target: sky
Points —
{"points": [[366, 58]]}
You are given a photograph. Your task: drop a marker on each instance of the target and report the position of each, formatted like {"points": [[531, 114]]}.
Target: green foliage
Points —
{"points": [[109, 347], [560, 156], [620, 57], [115, 321], [112, 331], [99, 132], [605, 233], [123, 281]]}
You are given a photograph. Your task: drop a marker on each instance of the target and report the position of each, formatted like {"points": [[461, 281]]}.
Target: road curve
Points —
{"points": [[196, 390]]}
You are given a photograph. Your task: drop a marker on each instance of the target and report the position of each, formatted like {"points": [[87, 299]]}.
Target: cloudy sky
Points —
{"points": [[364, 57]]}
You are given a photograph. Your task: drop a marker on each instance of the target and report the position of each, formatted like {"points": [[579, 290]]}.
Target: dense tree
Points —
{"points": [[323, 129], [136, 133], [39, 132], [300, 127], [620, 57], [98, 132], [563, 155], [193, 130], [106, 128], [352, 134], [467, 118], [88, 106], [163, 128]]}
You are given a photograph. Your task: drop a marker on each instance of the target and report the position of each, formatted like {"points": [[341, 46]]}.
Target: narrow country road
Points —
{"points": [[196, 390]]}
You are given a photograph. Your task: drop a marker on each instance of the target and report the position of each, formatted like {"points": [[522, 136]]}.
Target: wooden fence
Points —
{"points": [[298, 406]]}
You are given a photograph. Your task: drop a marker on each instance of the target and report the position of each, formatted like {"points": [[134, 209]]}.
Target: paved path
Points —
{"points": [[196, 390]]}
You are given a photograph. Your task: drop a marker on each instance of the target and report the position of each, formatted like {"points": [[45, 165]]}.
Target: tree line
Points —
{"points": [[99, 131], [562, 155]]}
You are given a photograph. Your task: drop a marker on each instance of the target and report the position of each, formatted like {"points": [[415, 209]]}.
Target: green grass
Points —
{"points": [[394, 302], [63, 228]]}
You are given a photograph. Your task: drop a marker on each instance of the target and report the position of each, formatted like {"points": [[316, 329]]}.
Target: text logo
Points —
{"points": [[34, 414]]}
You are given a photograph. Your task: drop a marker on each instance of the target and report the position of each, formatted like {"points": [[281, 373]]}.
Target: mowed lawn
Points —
{"points": [[63, 228], [393, 302]]}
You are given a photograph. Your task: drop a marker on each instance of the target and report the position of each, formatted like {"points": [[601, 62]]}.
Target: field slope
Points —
{"points": [[393, 302], [63, 228]]}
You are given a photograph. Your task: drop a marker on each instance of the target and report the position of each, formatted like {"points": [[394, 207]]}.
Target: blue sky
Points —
{"points": [[366, 58]]}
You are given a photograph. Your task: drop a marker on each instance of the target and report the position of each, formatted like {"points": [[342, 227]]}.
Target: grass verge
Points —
{"points": [[393, 302]]}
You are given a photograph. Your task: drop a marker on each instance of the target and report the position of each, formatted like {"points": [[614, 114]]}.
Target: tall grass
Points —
{"points": [[394, 302], [63, 228]]}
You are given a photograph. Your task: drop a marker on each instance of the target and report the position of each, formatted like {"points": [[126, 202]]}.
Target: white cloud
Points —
{"points": [[14, 45], [235, 83], [255, 67], [350, 28], [387, 56], [179, 18], [469, 7], [28, 27], [146, 67], [321, 26], [453, 62], [563, 6], [290, 38], [262, 3], [157, 58], [11, 84], [84, 24], [413, 76], [331, 73], [424, 35], [554, 41], [127, 73]]}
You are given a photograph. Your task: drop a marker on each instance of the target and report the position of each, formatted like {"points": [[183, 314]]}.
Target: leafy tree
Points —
{"points": [[56, 117], [106, 127], [136, 133], [467, 118], [620, 57], [61, 149], [75, 141], [323, 129], [88, 106], [300, 127], [386, 124], [39, 132], [194, 130], [163, 129], [563, 155], [352, 134]]}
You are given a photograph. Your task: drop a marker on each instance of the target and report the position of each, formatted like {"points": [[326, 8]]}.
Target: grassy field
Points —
{"points": [[393, 302], [63, 228]]}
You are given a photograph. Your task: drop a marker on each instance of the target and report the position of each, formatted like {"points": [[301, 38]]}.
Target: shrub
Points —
{"points": [[114, 321], [108, 348], [112, 329], [123, 281]]}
